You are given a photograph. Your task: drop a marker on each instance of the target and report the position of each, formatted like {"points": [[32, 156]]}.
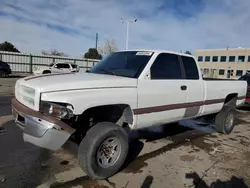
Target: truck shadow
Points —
{"points": [[86, 181], [244, 108], [198, 182], [177, 133]]}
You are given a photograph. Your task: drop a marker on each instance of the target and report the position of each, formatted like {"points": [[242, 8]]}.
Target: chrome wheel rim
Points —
{"points": [[229, 121], [109, 152]]}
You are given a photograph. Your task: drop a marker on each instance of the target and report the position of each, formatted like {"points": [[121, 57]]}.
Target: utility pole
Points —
{"points": [[127, 24], [96, 40]]}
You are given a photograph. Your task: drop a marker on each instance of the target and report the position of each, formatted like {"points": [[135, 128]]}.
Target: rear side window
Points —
{"points": [[190, 68], [166, 66], [74, 66], [63, 65]]}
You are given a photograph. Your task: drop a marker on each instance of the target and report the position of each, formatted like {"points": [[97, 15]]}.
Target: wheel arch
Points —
{"points": [[121, 114], [231, 99], [46, 71]]}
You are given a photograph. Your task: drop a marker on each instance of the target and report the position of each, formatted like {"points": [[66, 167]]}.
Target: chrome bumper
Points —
{"points": [[39, 129]]}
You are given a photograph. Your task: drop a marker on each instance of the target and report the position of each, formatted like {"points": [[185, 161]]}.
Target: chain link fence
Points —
{"points": [[25, 63]]}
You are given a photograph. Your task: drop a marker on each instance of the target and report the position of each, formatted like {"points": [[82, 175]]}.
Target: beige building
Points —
{"points": [[224, 63]]}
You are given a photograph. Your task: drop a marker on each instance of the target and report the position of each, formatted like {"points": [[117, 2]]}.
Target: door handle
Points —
{"points": [[183, 87]]}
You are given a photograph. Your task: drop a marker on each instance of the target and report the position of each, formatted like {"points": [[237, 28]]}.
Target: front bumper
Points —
{"points": [[39, 129]]}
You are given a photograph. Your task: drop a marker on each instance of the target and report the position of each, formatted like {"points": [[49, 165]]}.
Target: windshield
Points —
{"points": [[247, 78], [127, 64]]}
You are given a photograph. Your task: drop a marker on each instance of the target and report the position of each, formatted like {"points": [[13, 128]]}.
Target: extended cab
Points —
{"points": [[127, 90]]}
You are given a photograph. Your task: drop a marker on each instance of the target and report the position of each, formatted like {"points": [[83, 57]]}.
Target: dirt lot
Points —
{"points": [[189, 154]]}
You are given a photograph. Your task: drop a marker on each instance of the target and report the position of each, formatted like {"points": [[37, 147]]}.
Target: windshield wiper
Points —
{"points": [[107, 71]]}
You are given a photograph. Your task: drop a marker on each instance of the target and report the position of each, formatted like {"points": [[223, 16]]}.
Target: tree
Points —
{"points": [[53, 52], [7, 46], [108, 47], [188, 52], [92, 54]]}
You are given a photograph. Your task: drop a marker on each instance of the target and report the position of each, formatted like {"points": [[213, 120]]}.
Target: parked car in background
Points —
{"points": [[246, 77], [5, 69], [57, 68]]}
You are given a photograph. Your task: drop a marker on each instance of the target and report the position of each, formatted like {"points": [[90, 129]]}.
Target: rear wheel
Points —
{"points": [[103, 150], [225, 120]]}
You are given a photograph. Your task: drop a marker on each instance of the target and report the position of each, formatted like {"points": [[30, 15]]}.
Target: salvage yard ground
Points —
{"points": [[189, 154]]}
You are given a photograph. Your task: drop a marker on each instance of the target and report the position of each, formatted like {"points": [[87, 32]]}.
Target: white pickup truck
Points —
{"points": [[127, 90]]}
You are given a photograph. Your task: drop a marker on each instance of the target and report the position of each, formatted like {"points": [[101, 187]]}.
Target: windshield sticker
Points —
{"points": [[144, 53]]}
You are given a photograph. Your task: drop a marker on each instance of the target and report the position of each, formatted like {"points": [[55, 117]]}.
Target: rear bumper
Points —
{"points": [[39, 129]]}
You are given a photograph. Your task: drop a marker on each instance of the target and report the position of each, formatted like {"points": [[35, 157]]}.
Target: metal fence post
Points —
{"points": [[31, 64]]}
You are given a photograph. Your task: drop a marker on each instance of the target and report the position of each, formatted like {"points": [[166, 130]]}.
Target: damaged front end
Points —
{"points": [[42, 129]]}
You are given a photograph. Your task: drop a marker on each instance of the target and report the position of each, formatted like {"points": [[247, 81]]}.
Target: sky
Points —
{"points": [[70, 26]]}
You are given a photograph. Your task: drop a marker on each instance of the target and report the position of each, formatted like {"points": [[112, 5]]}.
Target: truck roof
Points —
{"points": [[160, 51]]}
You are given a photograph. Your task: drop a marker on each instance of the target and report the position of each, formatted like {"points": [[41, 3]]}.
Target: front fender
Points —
{"points": [[84, 99]]}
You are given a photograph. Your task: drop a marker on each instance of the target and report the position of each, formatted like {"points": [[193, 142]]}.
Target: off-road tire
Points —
{"points": [[220, 119], [87, 151]]}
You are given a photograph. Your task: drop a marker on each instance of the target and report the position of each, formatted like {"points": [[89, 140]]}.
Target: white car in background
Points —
{"points": [[57, 68]]}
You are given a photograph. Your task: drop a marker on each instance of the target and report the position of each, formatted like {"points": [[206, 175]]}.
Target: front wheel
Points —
{"points": [[103, 150]]}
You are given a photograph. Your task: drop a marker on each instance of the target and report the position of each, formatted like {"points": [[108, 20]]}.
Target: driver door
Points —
{"points": [[161, 98]]}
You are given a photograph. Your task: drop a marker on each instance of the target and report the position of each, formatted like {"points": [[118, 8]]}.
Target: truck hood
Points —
{"points": [[76, 81]]}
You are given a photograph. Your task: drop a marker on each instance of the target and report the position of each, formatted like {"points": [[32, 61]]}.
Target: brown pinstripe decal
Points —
{"points": [[179, 106]]}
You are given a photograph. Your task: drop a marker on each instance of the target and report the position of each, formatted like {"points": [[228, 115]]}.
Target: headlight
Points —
{"points": [[56, 110], [28, 91], [29, 100], [28, 95]]}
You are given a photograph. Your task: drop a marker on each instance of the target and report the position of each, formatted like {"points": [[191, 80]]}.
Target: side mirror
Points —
{"points": [[55, 66]]}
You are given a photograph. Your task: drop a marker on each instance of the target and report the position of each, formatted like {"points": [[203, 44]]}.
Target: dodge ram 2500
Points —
{"points": [[126, 90]]}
